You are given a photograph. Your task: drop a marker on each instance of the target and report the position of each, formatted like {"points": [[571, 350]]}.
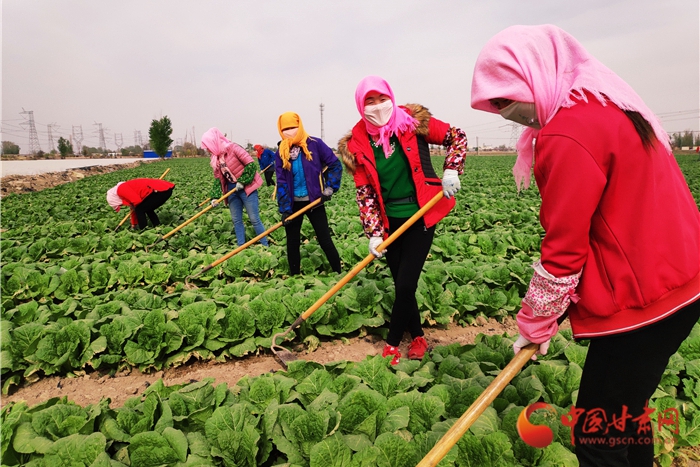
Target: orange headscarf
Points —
{"points": [[291, 120]]}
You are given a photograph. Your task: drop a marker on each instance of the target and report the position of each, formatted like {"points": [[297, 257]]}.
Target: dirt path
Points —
{"points": [[29, 183], [92, 387]]}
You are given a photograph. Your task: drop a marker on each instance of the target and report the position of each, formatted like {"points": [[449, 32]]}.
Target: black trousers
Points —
{"points": [[148, 206], [620, 375], [269, 176], [319, 221], [406, 257]]}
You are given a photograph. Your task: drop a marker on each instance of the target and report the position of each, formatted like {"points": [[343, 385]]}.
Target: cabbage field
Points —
{"points": [[79, 297]]}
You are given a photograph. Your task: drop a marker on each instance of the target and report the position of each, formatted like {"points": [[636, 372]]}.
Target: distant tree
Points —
{"points": [[676, 140], [132, 150], [8, 147], [687, 138], [159, 135], [64, 147]]}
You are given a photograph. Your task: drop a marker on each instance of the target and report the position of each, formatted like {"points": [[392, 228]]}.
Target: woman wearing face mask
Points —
{"points": [[621, 251], [388, 154], [299, 162], [234, 168]]}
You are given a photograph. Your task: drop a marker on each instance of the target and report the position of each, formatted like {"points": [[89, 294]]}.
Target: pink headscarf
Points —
{"points": [[113, 198], [545, 65], [400, 120], [217, 144]]}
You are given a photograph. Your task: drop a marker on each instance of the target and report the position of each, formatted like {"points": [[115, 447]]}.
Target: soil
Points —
{"points": [[29, 183]]}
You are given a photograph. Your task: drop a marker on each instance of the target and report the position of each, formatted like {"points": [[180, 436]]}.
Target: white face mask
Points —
{"points": [[521, 112], [379, 114], [290, 133]]}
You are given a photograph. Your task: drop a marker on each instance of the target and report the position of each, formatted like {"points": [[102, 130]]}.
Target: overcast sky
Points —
{"points": [[238, 65]]}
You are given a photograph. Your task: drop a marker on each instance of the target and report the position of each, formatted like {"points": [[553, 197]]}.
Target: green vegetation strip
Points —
{"points": [[341, 414], [77, 297]]}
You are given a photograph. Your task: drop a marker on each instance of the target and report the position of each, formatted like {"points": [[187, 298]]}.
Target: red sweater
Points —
{"points": [[622, 214]]}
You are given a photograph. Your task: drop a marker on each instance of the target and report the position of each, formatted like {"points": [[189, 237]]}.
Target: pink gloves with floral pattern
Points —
{"points": [[547, 298]]}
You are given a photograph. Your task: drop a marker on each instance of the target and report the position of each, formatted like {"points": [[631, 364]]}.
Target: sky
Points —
{"points": [[237, 65]]}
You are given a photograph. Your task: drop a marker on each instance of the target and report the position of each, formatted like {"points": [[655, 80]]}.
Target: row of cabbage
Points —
{"points": [[77, 296]]}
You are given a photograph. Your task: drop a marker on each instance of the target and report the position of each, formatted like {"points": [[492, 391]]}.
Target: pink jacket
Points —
{"points": [[236, 159]]}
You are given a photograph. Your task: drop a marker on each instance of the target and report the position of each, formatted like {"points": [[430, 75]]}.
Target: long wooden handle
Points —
{"points": [[188, 221], [461, 426], [129, 213], [368, 259], [259, 237]]}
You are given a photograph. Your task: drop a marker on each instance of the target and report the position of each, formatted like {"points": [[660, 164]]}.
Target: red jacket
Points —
{"points": [[427, 183], [133, 192], [621, 214]]}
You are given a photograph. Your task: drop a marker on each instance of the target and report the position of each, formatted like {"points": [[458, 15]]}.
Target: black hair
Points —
{"points": [[643, 128]]}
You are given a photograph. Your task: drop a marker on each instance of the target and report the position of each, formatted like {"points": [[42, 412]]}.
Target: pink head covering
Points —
{"points": [[545, 65], [216, 143], [113, 198], [400, 120]]}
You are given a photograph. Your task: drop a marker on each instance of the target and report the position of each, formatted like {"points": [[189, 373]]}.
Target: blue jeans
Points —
{"points": [[236, 202]]}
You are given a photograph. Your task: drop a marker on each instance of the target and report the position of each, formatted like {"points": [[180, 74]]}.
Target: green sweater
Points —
{"points": [[395, 180]]}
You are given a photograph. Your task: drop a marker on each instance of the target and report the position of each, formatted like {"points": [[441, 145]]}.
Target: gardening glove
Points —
{"points": [[239, 186], [327, 193], [285, 215], [374, 242], [522, 342], [450, 183], [214, 203]]}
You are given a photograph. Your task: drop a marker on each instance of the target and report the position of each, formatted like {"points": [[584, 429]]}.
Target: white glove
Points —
{"points": [[522, 342], [239, 186], [450, 183], [214, 203], [374, 242]]}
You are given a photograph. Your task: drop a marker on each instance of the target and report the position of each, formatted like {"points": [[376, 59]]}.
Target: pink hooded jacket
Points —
{"points": [[235, 157]]}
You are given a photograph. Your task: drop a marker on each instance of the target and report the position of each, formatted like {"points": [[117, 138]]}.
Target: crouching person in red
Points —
{"points": [[143, 196]]}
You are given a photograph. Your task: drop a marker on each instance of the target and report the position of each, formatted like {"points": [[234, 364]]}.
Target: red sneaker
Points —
{"points": [[417, 348], [391, 350]]}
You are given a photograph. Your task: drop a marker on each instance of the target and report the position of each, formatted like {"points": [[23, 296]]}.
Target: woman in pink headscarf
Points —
{"points": [[621, 253], [389, 156], [234, 168]]}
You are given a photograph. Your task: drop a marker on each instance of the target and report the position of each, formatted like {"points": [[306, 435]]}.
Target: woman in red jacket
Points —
{"points": [[143, 196], [621, 252], [388, 154]]}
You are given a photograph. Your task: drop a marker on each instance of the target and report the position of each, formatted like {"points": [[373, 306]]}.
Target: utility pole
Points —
{"points": [[78, 137], [515, 131], [33, 137], [119, 141], [49, 127], [101, 134], [477, 145], [321, 107]]}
